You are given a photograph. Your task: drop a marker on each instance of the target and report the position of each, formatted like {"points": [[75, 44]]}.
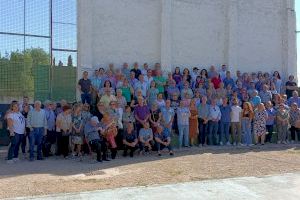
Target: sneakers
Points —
{"points": [[16, 159], [228, 144], [171, 154], [221, 143], [234, 144]]}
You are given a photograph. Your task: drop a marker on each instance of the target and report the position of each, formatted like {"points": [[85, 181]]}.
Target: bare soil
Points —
{"points": [[57, 175]]}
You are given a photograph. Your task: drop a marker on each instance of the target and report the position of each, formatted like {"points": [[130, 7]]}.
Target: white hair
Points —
{"points": [[38, 102]]}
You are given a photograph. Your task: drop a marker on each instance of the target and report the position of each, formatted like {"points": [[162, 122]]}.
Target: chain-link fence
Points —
{"points": [[38, 82]]}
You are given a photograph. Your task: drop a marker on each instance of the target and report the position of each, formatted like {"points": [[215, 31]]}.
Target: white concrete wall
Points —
{"points": [[249, 35]]}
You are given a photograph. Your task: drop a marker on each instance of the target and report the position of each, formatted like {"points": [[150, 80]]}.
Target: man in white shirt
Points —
{"points": [[141, 85], [236, 111], [148, 78], [25, 101], [145, 70], [223, 71], [213, 124], [37, 122]]}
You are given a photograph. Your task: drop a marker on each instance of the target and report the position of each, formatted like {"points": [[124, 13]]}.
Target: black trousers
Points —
{"points": [[100, 148], [63, 145], [202, 130], [131, 150], [295, 131], [270, 133]]}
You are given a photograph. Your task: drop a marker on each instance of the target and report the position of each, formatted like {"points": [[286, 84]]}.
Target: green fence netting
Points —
{"points": [[39, 82]]}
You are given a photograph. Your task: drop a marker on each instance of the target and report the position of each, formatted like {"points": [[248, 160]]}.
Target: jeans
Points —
{"points": [[202, 131], [143, 147], [282, 132], [160, 146], [295, 131], [86, 98], [36, 137], [246, 128], [236, 132], [183, 134], [213, 132], [224, 132], [15, 142]]}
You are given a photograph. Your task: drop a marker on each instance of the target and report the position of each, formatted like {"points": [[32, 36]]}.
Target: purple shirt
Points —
{"points": [[177, 78], [141, 112]]}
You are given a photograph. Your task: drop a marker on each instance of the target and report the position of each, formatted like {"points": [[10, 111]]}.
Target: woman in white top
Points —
{"points": [[64, 128], [277, 81], [16, 128]]}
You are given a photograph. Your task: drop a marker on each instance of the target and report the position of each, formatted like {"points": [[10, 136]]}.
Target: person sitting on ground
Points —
{"points": [[94, 139], [130, 140], [146, 138], [163, 140]]}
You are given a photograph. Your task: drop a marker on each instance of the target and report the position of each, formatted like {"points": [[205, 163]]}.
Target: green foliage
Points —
{"points": [[16, 72], [70, 61], [29, 73]]}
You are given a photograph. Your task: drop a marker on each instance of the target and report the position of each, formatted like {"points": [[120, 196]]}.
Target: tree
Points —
{"points": [[17, 71], [70, 61], [60, 64]]}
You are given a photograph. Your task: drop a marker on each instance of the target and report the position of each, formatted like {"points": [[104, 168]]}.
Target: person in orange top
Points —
{"points": [[110, 132], [193, 122]]}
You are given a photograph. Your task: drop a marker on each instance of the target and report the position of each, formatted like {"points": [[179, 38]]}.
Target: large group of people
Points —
{"points": [[140, 109]]}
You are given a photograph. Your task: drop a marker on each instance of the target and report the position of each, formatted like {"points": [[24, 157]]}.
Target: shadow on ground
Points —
{"points": [[61, 167]]}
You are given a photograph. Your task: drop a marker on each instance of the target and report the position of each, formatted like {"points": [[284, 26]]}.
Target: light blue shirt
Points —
{"points": [[143, 86], [96, 82], [203, 111], [50, 116], [214, 112], [37, 119], [167, 114], [183, 116]]}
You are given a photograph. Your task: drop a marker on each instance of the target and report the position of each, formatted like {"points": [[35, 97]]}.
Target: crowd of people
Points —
{"points": [[141, 109]]}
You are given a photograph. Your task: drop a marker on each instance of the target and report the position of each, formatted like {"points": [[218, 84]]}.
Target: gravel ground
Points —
{"points": [[56, 175]]}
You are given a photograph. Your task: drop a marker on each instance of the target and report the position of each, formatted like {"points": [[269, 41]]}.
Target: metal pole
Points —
{"points": [[51, 54]]}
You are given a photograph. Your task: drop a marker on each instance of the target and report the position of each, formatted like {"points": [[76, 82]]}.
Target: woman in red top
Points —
{"points": [[216, 80]]}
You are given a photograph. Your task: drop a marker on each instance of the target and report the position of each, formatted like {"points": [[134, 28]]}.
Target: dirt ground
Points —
{"points": [[56, 175]]}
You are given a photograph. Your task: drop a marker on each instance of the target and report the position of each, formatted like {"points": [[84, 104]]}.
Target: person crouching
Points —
{"points": [[94, 139], [163, 140]]}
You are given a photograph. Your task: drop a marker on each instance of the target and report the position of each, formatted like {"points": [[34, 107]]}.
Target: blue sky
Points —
{"points": [[37, 20], [297, 8]]}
